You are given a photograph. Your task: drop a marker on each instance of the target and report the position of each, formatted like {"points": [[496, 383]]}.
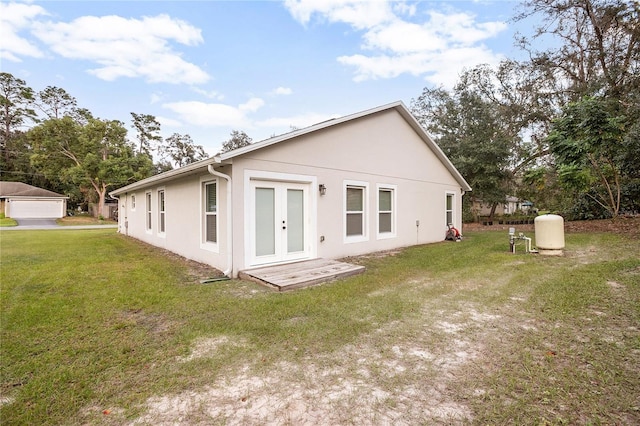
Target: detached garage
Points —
{"points": [[23, 201]]}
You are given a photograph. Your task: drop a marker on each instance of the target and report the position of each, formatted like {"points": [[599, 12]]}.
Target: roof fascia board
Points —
{"points": [[34, 197], [163, 177]]}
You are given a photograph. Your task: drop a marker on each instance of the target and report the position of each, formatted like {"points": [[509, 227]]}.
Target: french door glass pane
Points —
{"points": [[295, 220], [265, 221]]}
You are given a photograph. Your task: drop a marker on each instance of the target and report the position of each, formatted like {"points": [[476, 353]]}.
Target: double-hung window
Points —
{"points": [[355, 211], [449, 209], [148, 213], [161, 212], [210, 190], [386, 211]]}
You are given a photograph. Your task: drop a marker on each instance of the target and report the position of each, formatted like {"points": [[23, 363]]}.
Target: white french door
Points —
{"points": [[280, 222]]}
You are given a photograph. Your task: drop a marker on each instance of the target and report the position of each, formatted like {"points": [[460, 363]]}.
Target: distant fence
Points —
{"points": [[506, 220]]}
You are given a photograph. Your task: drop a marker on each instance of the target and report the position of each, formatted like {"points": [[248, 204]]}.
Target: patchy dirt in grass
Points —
{"points": [[365, 383], [383, 378], [154, 323], [388, 376], [208, 347]]}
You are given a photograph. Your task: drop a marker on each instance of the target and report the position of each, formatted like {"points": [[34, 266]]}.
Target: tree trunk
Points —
{"points": [[101, 194], [101, 190], [493, 211]]}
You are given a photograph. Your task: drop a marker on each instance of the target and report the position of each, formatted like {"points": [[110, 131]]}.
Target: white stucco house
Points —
{"points": [[362, 183]]}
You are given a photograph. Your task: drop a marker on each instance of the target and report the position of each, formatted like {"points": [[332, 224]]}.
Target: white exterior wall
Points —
{"points": [[184, 218], [381, 149]]}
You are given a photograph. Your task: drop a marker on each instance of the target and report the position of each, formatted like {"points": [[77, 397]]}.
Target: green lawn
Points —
{"points": [[7, 221], [95, 325]]}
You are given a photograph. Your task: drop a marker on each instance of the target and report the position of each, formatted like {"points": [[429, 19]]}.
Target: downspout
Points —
{"points": [[126, 214], [229, 269]]}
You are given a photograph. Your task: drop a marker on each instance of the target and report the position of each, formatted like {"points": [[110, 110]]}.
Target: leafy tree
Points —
{"points": [[491, 125], [56, 102], [593, 51], [587, 142], [16, 108], [147, 132], [238, 140], [468, 130], [95, 155], [182, 150], [600, 49]]}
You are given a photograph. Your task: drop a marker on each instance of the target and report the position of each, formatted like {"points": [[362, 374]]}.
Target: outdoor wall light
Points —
{"points": [[322, 189]]}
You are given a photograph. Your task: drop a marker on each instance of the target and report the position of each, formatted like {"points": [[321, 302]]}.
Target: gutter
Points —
{"points": [[229, 269]]}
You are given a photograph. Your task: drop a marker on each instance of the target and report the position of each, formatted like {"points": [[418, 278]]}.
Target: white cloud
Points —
{"points": [[15, 17], [360, 14], [252, 105], [156, 97], [168, 122], [439, 68], [397, 39], [403, 8], [402, 37], [282, 91], [215, 115], [127, 47], [461, 28], [211, 94]]}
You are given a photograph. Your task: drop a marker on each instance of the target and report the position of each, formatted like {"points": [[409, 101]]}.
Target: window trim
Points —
{"points": [[394, 191], [365, 213], [162, 211], [448, 194], [204, 244], [148, 213]]}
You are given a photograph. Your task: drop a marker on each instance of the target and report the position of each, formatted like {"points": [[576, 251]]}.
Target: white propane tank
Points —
{"points": [[549, 230]]}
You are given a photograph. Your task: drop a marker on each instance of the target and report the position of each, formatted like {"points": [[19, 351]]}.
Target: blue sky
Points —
{"points": [[205, 68]]}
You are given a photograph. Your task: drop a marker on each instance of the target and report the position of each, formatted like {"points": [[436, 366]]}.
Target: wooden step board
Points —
{"points": [[301, 274]]}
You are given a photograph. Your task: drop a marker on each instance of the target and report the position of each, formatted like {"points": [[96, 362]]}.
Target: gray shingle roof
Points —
{"points": [[19, 189]]}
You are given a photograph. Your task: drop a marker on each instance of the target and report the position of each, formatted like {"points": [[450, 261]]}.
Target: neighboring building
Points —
{"points": [[362, 183], [109, 209], [510, 206], [21, 201]]}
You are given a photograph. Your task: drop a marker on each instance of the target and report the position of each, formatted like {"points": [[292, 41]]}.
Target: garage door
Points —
{"points": [[26, 209]]}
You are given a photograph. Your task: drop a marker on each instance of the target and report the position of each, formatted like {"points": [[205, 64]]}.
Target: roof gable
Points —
{"points": [[228, 156], [398, 106], [20, 189]]}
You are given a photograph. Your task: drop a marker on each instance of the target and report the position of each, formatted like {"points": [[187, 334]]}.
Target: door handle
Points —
{"points": [[283, 225]]}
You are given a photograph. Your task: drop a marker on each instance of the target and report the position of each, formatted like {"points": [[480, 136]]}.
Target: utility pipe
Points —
{"points": [[229, 269]]}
